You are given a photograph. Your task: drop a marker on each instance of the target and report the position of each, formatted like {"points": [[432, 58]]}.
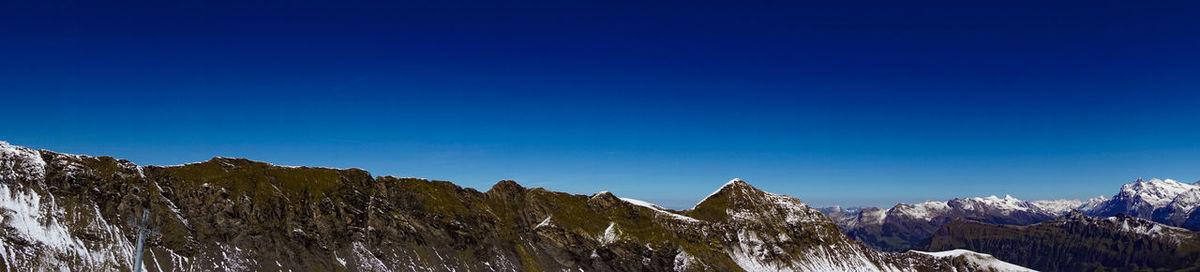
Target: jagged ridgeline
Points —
{"points": [[68, 212]]}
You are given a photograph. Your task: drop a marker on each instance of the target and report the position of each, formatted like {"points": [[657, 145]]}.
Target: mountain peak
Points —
{"points": [[738, 200], [605, 198], [1156, 192], [507, 185], [735, 184]]}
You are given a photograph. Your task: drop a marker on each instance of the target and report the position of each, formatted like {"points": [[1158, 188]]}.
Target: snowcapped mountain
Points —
{"points": [[898, 228], [1063, 206], [1161, 200], [65, 211], [1077, 242], [1058, 206]]}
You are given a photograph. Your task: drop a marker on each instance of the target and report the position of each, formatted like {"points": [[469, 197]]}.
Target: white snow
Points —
{"points": [[1005, 205], [544, 223], [1093, 204], [366, 260], [1145, 227], [984, 261], [1186, 201], [1156, 192], [683, 261], [753, 253], [792, 209], [1060, 206], [876, 215], [26, 213], [797, 211], [642, 203], [659, 209], [611, 234], [40, 221], [343, 261], [925, 211], [17, 162]]}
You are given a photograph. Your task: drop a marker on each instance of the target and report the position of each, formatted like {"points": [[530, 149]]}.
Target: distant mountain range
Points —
{"points": [[1077, 242], [904, 225], [63, 211], [897, 229]]}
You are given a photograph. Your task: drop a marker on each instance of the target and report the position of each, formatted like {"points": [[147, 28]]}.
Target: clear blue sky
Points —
{"points": [[851, 103]]}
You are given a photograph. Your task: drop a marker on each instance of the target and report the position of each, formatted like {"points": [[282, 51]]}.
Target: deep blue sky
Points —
{"points": [[853, 103]]}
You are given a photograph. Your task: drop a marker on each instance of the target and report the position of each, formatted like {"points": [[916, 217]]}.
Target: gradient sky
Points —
{"points": [[853, 103]]}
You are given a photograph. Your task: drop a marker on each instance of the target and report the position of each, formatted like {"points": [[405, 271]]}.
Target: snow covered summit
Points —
{"points": [[1161, 200]]}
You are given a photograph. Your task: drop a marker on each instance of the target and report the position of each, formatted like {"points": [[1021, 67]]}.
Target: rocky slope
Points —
{"points": [[70, 211], [1077, 242]]}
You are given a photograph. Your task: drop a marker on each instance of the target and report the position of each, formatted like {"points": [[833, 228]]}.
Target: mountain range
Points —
{"points": [[901, 227], [63, 211], [1077, 242]]}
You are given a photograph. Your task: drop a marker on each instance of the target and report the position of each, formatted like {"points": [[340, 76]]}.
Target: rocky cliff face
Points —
{"points": [[70, 211], [1077, 242]]}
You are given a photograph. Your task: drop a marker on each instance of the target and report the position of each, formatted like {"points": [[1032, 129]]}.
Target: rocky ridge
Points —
{"points": [[231, 214]]}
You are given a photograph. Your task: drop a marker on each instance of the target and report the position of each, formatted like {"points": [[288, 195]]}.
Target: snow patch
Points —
{"points": [[659, 209], [1061, 206], [924, 211], [611, 234], [366, 260], [751, 253], [1006, 205], [20, 163], [43, 225], [983, 261], [683, 261], [544, 223]]}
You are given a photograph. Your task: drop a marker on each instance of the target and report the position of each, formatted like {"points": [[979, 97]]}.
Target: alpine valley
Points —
{"points": [[71, 212]]}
